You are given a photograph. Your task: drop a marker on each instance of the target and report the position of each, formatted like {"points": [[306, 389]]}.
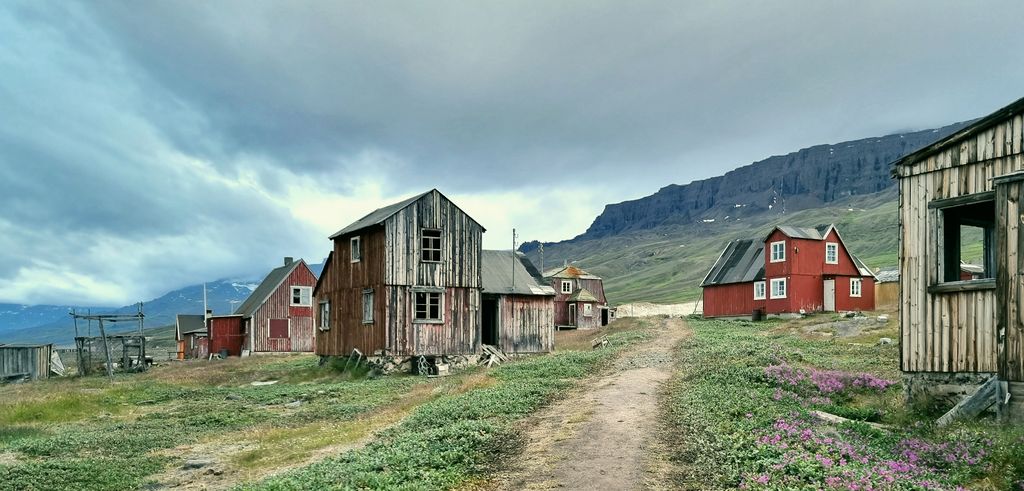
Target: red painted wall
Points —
{"points": [[845, 302], [278, 306], [730, 300], [226, 333]]}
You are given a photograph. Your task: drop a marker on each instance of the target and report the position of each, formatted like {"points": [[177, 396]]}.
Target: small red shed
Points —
{"points": [[791, 270]]}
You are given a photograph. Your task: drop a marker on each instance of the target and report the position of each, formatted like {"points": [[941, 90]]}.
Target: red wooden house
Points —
{"points": [[579, 298], [276, 318], [792, 270]]}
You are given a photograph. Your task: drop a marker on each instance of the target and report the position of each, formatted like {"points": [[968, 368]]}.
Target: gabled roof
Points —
{"points": [[887, 276], [570, 272], [498, 270], [267, 287], [186, 323], [816, 233], [582, 295], [378, 216], [982, 124], [742, 261]]}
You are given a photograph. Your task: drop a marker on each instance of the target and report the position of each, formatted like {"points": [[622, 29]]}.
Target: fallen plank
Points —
{"points": [[974, 404], [834, 419]]}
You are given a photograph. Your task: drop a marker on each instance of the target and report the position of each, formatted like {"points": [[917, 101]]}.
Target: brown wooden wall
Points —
{"points": [[952, 331], [278, 306], [461, 245], [458, 335], [342, 283], [1009, 273], [526, 323], [33, 360]]}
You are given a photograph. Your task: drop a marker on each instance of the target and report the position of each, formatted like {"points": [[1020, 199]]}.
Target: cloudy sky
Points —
{"points": [[145, 146]]}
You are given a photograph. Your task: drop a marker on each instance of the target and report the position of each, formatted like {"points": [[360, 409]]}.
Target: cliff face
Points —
{"points": [[808, 178]]}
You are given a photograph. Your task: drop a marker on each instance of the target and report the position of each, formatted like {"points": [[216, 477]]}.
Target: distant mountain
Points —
{"points": [[659, 247], [52, 324]]}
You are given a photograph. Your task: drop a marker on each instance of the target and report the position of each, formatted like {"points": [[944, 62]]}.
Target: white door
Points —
{"points": [[830, 296]]}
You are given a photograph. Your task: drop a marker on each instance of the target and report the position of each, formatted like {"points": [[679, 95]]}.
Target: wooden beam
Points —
{"points": [[974, 404]]}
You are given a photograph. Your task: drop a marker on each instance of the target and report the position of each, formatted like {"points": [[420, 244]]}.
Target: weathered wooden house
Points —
{"points": [[579, 298], [191, 335], [518, 313], [791, 270], [960, 197], [276, 318], [25, 361], [403, 281]]}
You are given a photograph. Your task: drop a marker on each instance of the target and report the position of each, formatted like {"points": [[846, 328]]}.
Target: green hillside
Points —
{"points": [[667, 264]]}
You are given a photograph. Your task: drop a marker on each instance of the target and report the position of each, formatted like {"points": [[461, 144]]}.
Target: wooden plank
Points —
{"points": [[972, 405]]}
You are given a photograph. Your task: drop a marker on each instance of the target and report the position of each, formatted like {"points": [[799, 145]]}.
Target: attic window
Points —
{"points": [[302, 296], [566, 286], [355, 249], [831, 253], [430, 246], [778, 251], [967, 247]]}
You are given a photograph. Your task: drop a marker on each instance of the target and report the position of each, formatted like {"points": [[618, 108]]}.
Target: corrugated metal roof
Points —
{"points": [[741, 262], [378, 216], [887, 276], [267, 286], [582, 295], [570, 272], [496, 272]]}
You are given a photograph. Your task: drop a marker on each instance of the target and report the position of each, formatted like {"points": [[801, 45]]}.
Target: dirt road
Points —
{"points": [[603, 436]]}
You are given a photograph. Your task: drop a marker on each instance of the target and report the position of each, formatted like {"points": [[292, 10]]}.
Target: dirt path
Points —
{"points": [[602, 437]]}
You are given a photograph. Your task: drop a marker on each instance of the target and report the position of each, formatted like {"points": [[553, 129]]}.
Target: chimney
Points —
{"points": [[209, 312], [288, 260]]}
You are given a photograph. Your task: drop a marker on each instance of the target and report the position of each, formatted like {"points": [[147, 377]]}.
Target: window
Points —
{"points": [[430, 246], [278, 328], [855, 287], [588, 310], [967, 248], [779, 288], [566, 286], [831, 253], [778, 251], [302, 296], [367, 306], [429, 306], [325, 315], [355, 249], [758, 290]]}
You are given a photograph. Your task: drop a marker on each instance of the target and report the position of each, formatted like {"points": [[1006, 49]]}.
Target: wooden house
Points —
{"points": [[403, 281], [579, 298], [792, 270], [276, 318], [518, 313], [191, 335], [26, 361], [960, 201]]}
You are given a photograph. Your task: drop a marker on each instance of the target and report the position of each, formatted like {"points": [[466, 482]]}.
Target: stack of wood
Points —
{"points": [[492, 355]]}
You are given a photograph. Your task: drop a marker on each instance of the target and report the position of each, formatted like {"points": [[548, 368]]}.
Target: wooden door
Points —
{"points": [[572, 314], [830, 295], [1009, 277]]}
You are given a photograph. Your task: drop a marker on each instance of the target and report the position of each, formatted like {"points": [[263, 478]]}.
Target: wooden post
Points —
{"points": [[106, 352]]}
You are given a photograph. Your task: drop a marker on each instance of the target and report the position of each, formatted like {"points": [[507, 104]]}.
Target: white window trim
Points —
{"points": [[320, 314], [763, 290], [588, 310], [370, 320], [355, 249], [860, 287], [566, 286], [440, 306], [771, 251], [785, 288], [291, 293], [289, 328], [834, 245]]}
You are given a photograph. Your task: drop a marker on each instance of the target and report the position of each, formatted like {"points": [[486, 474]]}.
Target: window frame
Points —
{"points": [[778, 281], [428, 291], [368, 293], [301, 289], [834, 246], [948, 274], [860, 287], [764, 290], [423, 246], [566, 283], [782, 250], [324, 314], [588, 310], [355, 249]]}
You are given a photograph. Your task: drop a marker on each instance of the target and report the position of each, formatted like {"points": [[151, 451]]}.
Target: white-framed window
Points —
{"points": [[855, 285], [778, 251], [566, 286], [778, 287], [325, 315], [588, 310], [831, 253], [430, 245], [758, 290], [367, 306], [355, 249], [429, 306], [302, 296]]}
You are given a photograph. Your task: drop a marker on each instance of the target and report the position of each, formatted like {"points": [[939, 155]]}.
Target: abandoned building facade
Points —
{"points": [[579, 298], [960, 202], [403, 281], [518, 311], [791, 270]]}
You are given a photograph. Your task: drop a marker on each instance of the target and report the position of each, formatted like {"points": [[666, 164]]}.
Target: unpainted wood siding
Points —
{"points": [[526, 323], [951, 331], [342, 284], [461, 245], [458, 334], [33, 360], [1009, 276], [278, 306]]}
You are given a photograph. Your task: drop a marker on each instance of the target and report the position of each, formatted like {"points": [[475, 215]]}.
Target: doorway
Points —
{"points": [[830, 295], [572, 314], [489, 321], [604, 317]]}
